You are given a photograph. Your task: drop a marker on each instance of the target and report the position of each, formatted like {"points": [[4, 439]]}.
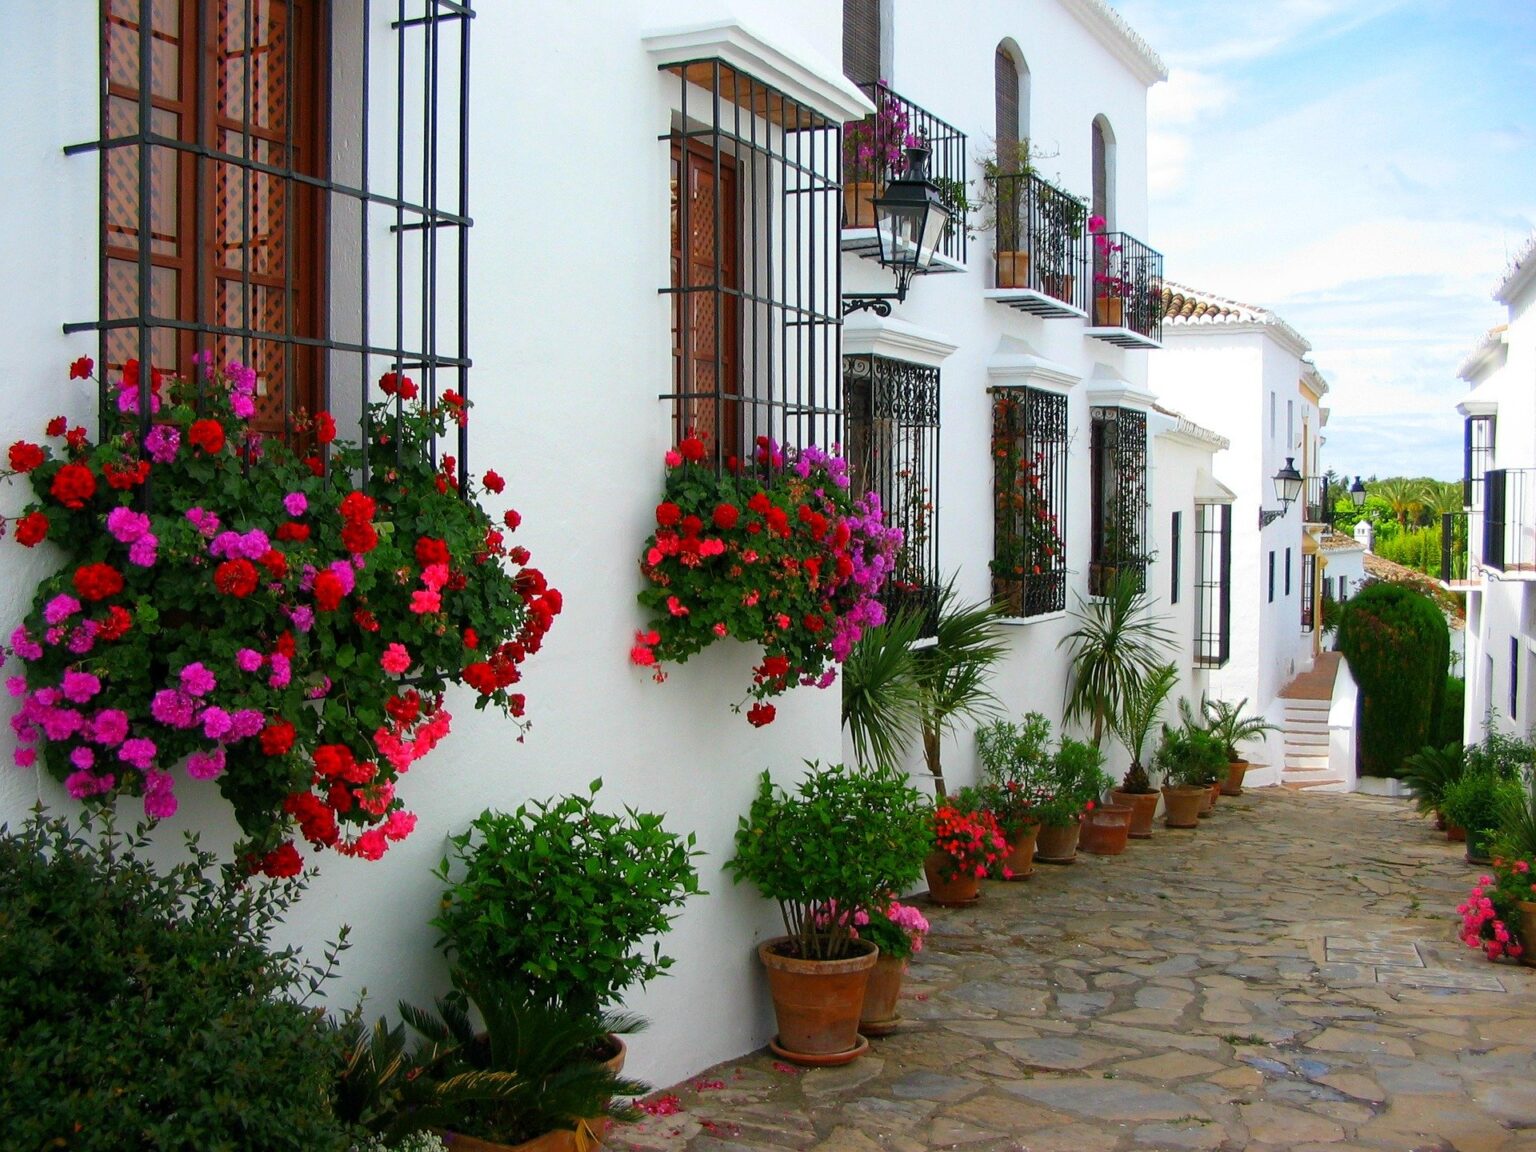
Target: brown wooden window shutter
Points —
{"points": [[861, 41], [1007, 73]]}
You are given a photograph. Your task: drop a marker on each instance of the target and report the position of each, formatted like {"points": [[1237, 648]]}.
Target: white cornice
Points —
{"points": [[1521, 274], [895, 339], [1110, 29], [1481, 401], [1281, 333], [1491, 353], [1024, 367], [801, 76], [1177, 426]]}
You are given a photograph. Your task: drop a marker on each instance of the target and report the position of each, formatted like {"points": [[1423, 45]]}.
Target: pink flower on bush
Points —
{"points": [[396, 659]]}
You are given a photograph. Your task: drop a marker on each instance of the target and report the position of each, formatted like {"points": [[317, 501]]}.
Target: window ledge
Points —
{"points": [[1026, 621]]}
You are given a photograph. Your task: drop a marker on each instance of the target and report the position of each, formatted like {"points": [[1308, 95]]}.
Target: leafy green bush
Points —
{"points": [[842, 840], [145, 1010], [1398, 648], [1452, 711], [1479, 801], [1430, 771], [558, 897], [1191, 756]]}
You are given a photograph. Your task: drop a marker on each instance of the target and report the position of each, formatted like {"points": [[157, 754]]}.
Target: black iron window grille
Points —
{"points": [[1119, 479], [1213, 585], [1039, 240], [893, 450], [1477, 456], [1029, 491], [1176, 530], [1509, 520], [874, 152], [1453, 546], [1127, 285], [756, 283], [261, 169], [1308, 591], [1287, 573], [1319, 500]]}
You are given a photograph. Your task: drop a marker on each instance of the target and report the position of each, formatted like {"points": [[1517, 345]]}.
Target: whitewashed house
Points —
{"points": [[1244, 371], [531, 189], [1500, 499]]}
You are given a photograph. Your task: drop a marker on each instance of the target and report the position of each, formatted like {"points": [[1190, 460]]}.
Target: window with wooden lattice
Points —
{"points": [[213, 239]]}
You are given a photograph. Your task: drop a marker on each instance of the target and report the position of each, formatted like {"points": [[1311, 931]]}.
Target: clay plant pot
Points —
{"points": [[586, 1136], [1058, 285], [1455, 833], [1143, 806], [879, 1017], [1479, 846], [1109, 311], [1236, 770], [1527, 932], [1106, 829], [1021, 852], [1013, 269], [817, 1002], [1207, 800], [1182, 806], [1058, 845], [858, 204], [949, 888]]}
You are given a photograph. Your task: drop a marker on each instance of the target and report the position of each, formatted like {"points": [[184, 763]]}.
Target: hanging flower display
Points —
{"points": [[232, 610], [778, 553]]}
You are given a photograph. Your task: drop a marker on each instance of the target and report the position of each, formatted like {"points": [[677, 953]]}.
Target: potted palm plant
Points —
{"points": [[953, 673], [842, 840], [1226, 721], [882, 707], [1429, 772], [1190, 760], [1132, 726], [1115, 647]]}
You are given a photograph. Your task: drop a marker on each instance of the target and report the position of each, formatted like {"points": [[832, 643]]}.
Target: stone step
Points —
{"points": [[1308, 705], [1331, 785]]}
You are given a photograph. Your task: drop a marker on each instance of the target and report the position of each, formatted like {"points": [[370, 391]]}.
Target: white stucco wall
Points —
{"points": [[571, 347]]}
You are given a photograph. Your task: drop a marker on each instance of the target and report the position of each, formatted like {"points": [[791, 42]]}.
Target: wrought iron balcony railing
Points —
{"points": [[874, 151], [1319, 508], [1127, 287], [1509, 520], [1039, 241], [1454, 566]]}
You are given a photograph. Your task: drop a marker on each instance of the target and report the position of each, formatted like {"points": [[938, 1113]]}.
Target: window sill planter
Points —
{"points": [[817, 1003]]}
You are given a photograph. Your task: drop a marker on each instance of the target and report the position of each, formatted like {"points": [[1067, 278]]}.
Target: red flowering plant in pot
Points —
{"points": [[229, 610], [778, 552], [965, 845]]}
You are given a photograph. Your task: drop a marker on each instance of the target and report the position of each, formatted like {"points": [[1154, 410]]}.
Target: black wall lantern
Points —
{"points": [[1357, 493], [910, 220], [1288, 484]]}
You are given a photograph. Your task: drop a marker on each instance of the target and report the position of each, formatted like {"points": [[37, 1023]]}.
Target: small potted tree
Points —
{"points": [[1226, 721], [1190, 760], [1014, 758], [842, 840], [1132, 726], [1074, 786]]}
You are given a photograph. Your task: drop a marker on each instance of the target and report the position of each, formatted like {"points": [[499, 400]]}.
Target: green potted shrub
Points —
{"points": [[564, 901], [842, 839], [1478, 803], [1071, 783], [1132, 726], [1427, 774], [1014, 759], [1226, 721], [1190, 760]]}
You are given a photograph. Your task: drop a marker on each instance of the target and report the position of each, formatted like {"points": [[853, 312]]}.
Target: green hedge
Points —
{"points": [[1398, 648], [1449, 731]]}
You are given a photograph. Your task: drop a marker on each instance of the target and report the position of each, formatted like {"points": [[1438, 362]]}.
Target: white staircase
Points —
{"points": [[1306, 747]]}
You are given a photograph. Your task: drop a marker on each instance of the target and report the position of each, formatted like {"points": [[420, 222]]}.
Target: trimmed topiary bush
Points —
{"points": [[1398, 648], [1452, 712]]}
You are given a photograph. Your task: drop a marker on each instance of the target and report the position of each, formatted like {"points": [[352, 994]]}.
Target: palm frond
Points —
{"points": [[882, 702], [1430, 771], [1143, 710], [1115, 647]]}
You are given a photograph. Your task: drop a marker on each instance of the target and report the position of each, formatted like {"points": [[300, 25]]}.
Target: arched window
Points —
{"points": [[1012, 82], [861, 41], [1104, 172]]}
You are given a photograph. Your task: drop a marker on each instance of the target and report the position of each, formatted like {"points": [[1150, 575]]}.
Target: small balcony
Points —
{"points": [[1319, 503], [1509, 523], [1039, 254], [1455, 562], [1127, 292], [874, 151]]}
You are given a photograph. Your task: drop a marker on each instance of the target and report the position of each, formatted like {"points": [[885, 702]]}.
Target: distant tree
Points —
{"points": [[1402, 495]]}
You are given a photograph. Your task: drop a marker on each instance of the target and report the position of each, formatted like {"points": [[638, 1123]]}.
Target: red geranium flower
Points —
{"points": [[207, 435], [325, 428], [493, 482], [98, 581], [328, 591], [32, 529], [293, 531], [25, 456], [726, 516], [81, 368], [691, 449], [282, 861], [668, 513], [73, 485], [430, 550], [359, 537], [760, 714], [235, 578], [57, 426], [511, 519], [118, 621], [357, 506], [277, 737]]}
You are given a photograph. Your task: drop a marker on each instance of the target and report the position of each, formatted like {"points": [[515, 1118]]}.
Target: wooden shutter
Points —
{"points": [[861, 41], [1007, 77], [704, 321]]}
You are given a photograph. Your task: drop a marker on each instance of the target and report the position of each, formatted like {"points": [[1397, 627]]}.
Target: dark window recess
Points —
{"points": [[893, 450], [1029, 485], [1271, 577], [1173, 582], [1514, 677], [1119, 497], [1308, 591], [1213, 585], [1287, 572], [1100, 200], [222, 197], [756, 279], [861, 41], [1478, 441], [1006, 76]]}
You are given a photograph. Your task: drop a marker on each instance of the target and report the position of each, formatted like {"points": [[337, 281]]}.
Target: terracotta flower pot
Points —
{"points": [[1058, 845], [1182, 806], [1143, 806], [858, 204], [947, 887], [1058, 285], [1109, 311], [817, 1002], [1455, 833], [1527, 931], [1013, 269], [1021, 852], [1236, 770], [1207, 800], [1106, 829], [879, 1017]]}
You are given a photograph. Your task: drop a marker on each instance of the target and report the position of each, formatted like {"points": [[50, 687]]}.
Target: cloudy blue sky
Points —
{"points": [[1366, 168]]}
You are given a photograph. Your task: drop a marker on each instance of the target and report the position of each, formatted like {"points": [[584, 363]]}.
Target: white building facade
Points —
{"points": [[613, 158]]}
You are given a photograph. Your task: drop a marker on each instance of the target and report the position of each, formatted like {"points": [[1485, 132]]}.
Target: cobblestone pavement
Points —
{"points": [[1286, 977]]}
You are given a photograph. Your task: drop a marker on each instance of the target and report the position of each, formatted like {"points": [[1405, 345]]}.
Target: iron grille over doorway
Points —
{"points": [[286, 183]]}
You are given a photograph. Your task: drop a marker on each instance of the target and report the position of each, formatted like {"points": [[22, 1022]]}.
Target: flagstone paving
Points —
{"points": [[1285, 977]]}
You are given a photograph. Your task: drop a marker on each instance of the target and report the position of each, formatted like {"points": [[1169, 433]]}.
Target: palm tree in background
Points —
{"points": [[1402, 496], [1438, 498]]}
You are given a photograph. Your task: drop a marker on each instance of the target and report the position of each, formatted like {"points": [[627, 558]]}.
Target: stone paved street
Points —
{"points": [[1286, 977]]}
